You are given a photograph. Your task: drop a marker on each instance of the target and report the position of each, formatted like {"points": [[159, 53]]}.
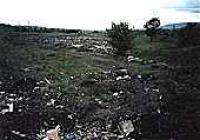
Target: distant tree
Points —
{"points": [[152, 28], [121, 37]]}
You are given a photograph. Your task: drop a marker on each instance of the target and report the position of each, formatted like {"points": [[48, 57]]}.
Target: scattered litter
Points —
{"points": [[9, 108], [18, 133], [156, 90], [70, 117], [126, 127], [139, 76], [2, 92], [160, 97], [123, 71], [71, 136], [53, 134], [48, 82], [115, 94], [51, 103], [125, 77], [130, 58], [158, 110]]}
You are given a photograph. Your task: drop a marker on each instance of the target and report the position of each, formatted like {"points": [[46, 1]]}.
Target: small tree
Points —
{"points": [[152, 28], [121, 37]]}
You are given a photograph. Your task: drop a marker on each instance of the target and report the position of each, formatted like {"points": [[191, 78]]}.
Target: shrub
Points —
{"points": [[121, 37]]}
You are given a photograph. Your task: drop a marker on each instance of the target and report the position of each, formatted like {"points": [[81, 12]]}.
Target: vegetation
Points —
{"points": [[4, 28], [190, 35], [121, 37], [161, 98], [152, 28]]}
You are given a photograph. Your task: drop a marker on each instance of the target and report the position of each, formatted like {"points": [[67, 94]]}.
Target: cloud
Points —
{"points": [[192, 6]]}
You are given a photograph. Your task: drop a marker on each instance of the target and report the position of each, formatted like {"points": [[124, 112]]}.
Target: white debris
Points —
{"points": [[60, 106], [146, 89], [130, 58], [126, 127], [139, 76], [158, 110], [52, 101], [2, 92], [18, 133], [160, 97], [156, 90], [125, 77], [77, 45], [124, 71], [118, 78], [115, 94], [70, 117], [71, 77], [48, 82], [53, 134], [9, 109]]}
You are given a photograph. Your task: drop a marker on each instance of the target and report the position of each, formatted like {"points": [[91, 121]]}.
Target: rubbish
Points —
{"points": [[126, 127], [139, 76], [53, 134], [71, 136], [70, 117], [125, 77], [156, 90], [48, 82], [18, 133], [115, 94], [130, 58], [51, 103], [9, 108], [123, 71]]}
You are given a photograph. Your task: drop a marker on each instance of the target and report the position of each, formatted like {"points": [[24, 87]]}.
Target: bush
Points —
{"points": [[190, 35], [120, 38]]}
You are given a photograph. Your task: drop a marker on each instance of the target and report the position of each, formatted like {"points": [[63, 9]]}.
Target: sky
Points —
{"points": [[96, 14]]}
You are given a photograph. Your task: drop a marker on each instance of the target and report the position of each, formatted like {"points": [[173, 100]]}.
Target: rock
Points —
{"points": [[126, 127]]}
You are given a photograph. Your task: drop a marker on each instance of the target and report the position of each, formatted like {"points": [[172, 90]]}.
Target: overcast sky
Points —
{"points": [[96, 14]]}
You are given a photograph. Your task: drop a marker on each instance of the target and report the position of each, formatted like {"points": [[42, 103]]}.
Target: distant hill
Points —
{"points": [[178, 25], [35, 29]]}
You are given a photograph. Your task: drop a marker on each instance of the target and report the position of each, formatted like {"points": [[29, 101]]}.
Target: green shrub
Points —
{"points": [[121, 37]]}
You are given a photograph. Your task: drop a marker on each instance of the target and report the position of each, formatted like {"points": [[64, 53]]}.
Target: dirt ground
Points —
{"points": [[91, 95]]}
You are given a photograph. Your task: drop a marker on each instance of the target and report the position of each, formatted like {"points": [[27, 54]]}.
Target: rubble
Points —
{"points": [[53, 134], [126, 127]]}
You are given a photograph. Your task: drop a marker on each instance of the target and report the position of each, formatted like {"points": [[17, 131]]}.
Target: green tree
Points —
{"points": [[121, 37], [152, 28]]}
